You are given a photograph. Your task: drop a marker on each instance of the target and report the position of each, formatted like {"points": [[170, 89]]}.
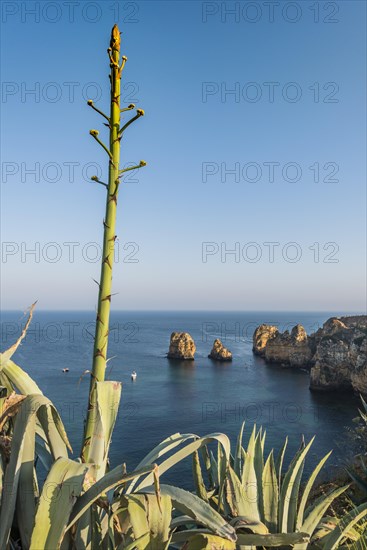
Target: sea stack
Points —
{"points": [[181, 346], [219, 352]]}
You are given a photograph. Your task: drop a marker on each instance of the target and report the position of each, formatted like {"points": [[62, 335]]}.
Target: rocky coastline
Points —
{"points": [[335, 355]]}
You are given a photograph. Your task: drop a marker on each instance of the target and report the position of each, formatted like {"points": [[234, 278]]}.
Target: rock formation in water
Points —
{"points": [[181, 346], [336, 353], [219, 352], [262, 335], [288, 349]]}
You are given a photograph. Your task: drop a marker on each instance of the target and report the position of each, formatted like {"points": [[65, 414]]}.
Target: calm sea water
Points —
{"points": [[198, 396]]}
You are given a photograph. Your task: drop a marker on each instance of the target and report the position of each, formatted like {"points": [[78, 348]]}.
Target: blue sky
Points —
{"points": [[184, 59]]}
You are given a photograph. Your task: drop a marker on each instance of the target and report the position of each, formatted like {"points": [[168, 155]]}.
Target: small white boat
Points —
{"points": [[65, 370], [133, 375]]}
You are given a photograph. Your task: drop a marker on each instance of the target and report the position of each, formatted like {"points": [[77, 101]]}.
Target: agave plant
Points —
{"points": [[268, 508]]}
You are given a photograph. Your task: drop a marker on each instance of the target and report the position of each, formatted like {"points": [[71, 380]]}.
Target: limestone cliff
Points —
{"points": [[340, 360], [290, 349], [336, 353]]}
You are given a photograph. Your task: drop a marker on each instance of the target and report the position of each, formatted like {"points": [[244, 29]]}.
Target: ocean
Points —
{"points": [[198, 396]]}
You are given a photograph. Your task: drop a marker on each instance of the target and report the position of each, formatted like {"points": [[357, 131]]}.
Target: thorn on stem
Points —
{"points": [[97, 283], [107, 261]]}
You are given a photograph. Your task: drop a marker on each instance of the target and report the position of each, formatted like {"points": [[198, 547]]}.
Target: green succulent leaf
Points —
{"points": [[198, 477], [289, 491], [249, 478], [185, 452], [17, 468], [238, 459], [63, 485], [270, 492], [307, 490], [272, 540], [112, 479], [193, 506], [206, 541], [331, 542], [160, 450]]}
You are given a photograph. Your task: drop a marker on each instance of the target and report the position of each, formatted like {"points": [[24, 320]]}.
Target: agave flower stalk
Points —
{"points": [[116, 132]]}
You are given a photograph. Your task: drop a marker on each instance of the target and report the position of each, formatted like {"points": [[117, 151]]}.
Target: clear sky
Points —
{"points": [[255, 141]]}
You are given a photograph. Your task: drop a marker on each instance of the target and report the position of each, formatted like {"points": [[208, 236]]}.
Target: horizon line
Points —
{"points": [[361, 312]]}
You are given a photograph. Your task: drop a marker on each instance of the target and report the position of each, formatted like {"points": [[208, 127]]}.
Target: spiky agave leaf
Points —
{"points": [[331, 542], [270, 491], [63, 485], [279, 461], [207, 541], [32, 407], [149, 521], [16, 378], [160, 450], [112, 479], [192, 506], [108, 396], [289, 491], [307, 489], [6, 355], [314, 514], [272, 540], [198, 477], [249, 478], [187, 451], [238, 459]]}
